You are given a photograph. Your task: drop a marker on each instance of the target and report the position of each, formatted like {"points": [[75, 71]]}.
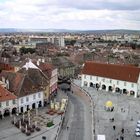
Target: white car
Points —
{"points": [[138, 122], [137, 134], [138, 125], [137, 130]]}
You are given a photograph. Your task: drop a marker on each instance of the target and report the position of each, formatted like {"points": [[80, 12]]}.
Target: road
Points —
{"points": [[78, 117]]}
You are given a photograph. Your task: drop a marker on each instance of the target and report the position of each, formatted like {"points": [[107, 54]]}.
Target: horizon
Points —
{"points": [[70, 15], [70, 29]]}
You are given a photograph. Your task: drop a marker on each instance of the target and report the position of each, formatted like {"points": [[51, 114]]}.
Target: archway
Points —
{"points": [[14, 110], [117, 89], [91, 84], [104, 87], [132, 92], [21, 109], [40, 104], [97, 85], [124, 91], [28, 107], [6, 112], [110, 88], [0, 113], [33, 106]]}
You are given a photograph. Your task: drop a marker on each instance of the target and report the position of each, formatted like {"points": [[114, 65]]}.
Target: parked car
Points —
{"points": [[138, 122], [137, 134], [137, 130], [138, 125]]}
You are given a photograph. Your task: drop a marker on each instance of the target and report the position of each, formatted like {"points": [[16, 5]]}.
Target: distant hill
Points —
{"points": [[119, 31]]}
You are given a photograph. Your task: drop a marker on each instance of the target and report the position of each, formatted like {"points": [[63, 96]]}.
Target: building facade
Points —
{"points": [[31, 101], [123, 79], [8, 102]]}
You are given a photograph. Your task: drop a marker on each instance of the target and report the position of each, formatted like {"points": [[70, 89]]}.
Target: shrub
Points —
{"points": [[28, 133], [49, 124], [38, 129], [23, 130]]}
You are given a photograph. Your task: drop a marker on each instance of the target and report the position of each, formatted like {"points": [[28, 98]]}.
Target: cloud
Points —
{"points": [[70, 14], [99, 4]]}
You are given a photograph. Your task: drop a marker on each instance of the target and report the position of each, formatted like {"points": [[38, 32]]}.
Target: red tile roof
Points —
{"points": [[113, 71], [6, 95]]}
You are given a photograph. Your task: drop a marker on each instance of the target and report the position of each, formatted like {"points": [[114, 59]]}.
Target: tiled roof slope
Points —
{"points": [[25, 82], [37, 77], [14, 78], [113, 71], [6, 95], [46, 68]]}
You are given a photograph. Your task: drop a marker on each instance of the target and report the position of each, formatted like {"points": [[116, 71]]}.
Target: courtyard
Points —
{"points": [[47, 119]]}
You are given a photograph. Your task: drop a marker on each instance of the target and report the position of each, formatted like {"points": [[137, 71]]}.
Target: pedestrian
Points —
{"points": [[121, 138], [131, 118], [67, 127], [114, 127], [112, 119], [122, 130]]}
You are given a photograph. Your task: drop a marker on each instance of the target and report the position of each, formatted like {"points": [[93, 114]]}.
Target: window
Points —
{"points": [[96, 78], [85, 83], [132, 85], [110, 81], [0, 105], [103, 79], [117, 82], [7, 103], [90, 77], [14, 102], [21, 101], [34, 96], [27, 99], [124, 83], [39, 95], [84, 76]]}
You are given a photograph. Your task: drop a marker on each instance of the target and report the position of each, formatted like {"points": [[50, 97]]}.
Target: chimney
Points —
{"points": [[27, 65], [3, 79], [38, 61], [43, 60], [7, 84]]}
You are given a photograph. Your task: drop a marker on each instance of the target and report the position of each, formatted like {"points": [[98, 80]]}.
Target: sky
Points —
{"points": [[70, 14]]}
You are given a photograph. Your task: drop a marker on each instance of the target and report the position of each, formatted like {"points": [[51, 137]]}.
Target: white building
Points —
{"points": [[110, 77], [31, 101], [28, 88], [8, 102]]}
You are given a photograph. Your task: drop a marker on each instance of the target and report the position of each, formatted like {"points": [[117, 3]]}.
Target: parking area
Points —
{"points": [[121, 122]]}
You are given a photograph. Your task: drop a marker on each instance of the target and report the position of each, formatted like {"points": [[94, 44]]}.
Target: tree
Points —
{"points": [[24, 50]]}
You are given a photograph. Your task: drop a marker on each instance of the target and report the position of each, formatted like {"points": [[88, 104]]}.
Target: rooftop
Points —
{"points": [[6, 95], [113, 71]]}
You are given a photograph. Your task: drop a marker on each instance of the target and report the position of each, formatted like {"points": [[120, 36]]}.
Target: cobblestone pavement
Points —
{"points": [[126, 114]]}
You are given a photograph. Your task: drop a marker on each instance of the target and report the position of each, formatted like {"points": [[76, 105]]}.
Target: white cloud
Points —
{"points": [[85, 14]]}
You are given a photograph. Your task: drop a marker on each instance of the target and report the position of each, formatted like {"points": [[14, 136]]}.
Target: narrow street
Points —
{"points": [[77, 124]]}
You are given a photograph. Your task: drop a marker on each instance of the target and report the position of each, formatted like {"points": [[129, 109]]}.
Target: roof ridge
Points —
{"points": [[121, 65]]}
